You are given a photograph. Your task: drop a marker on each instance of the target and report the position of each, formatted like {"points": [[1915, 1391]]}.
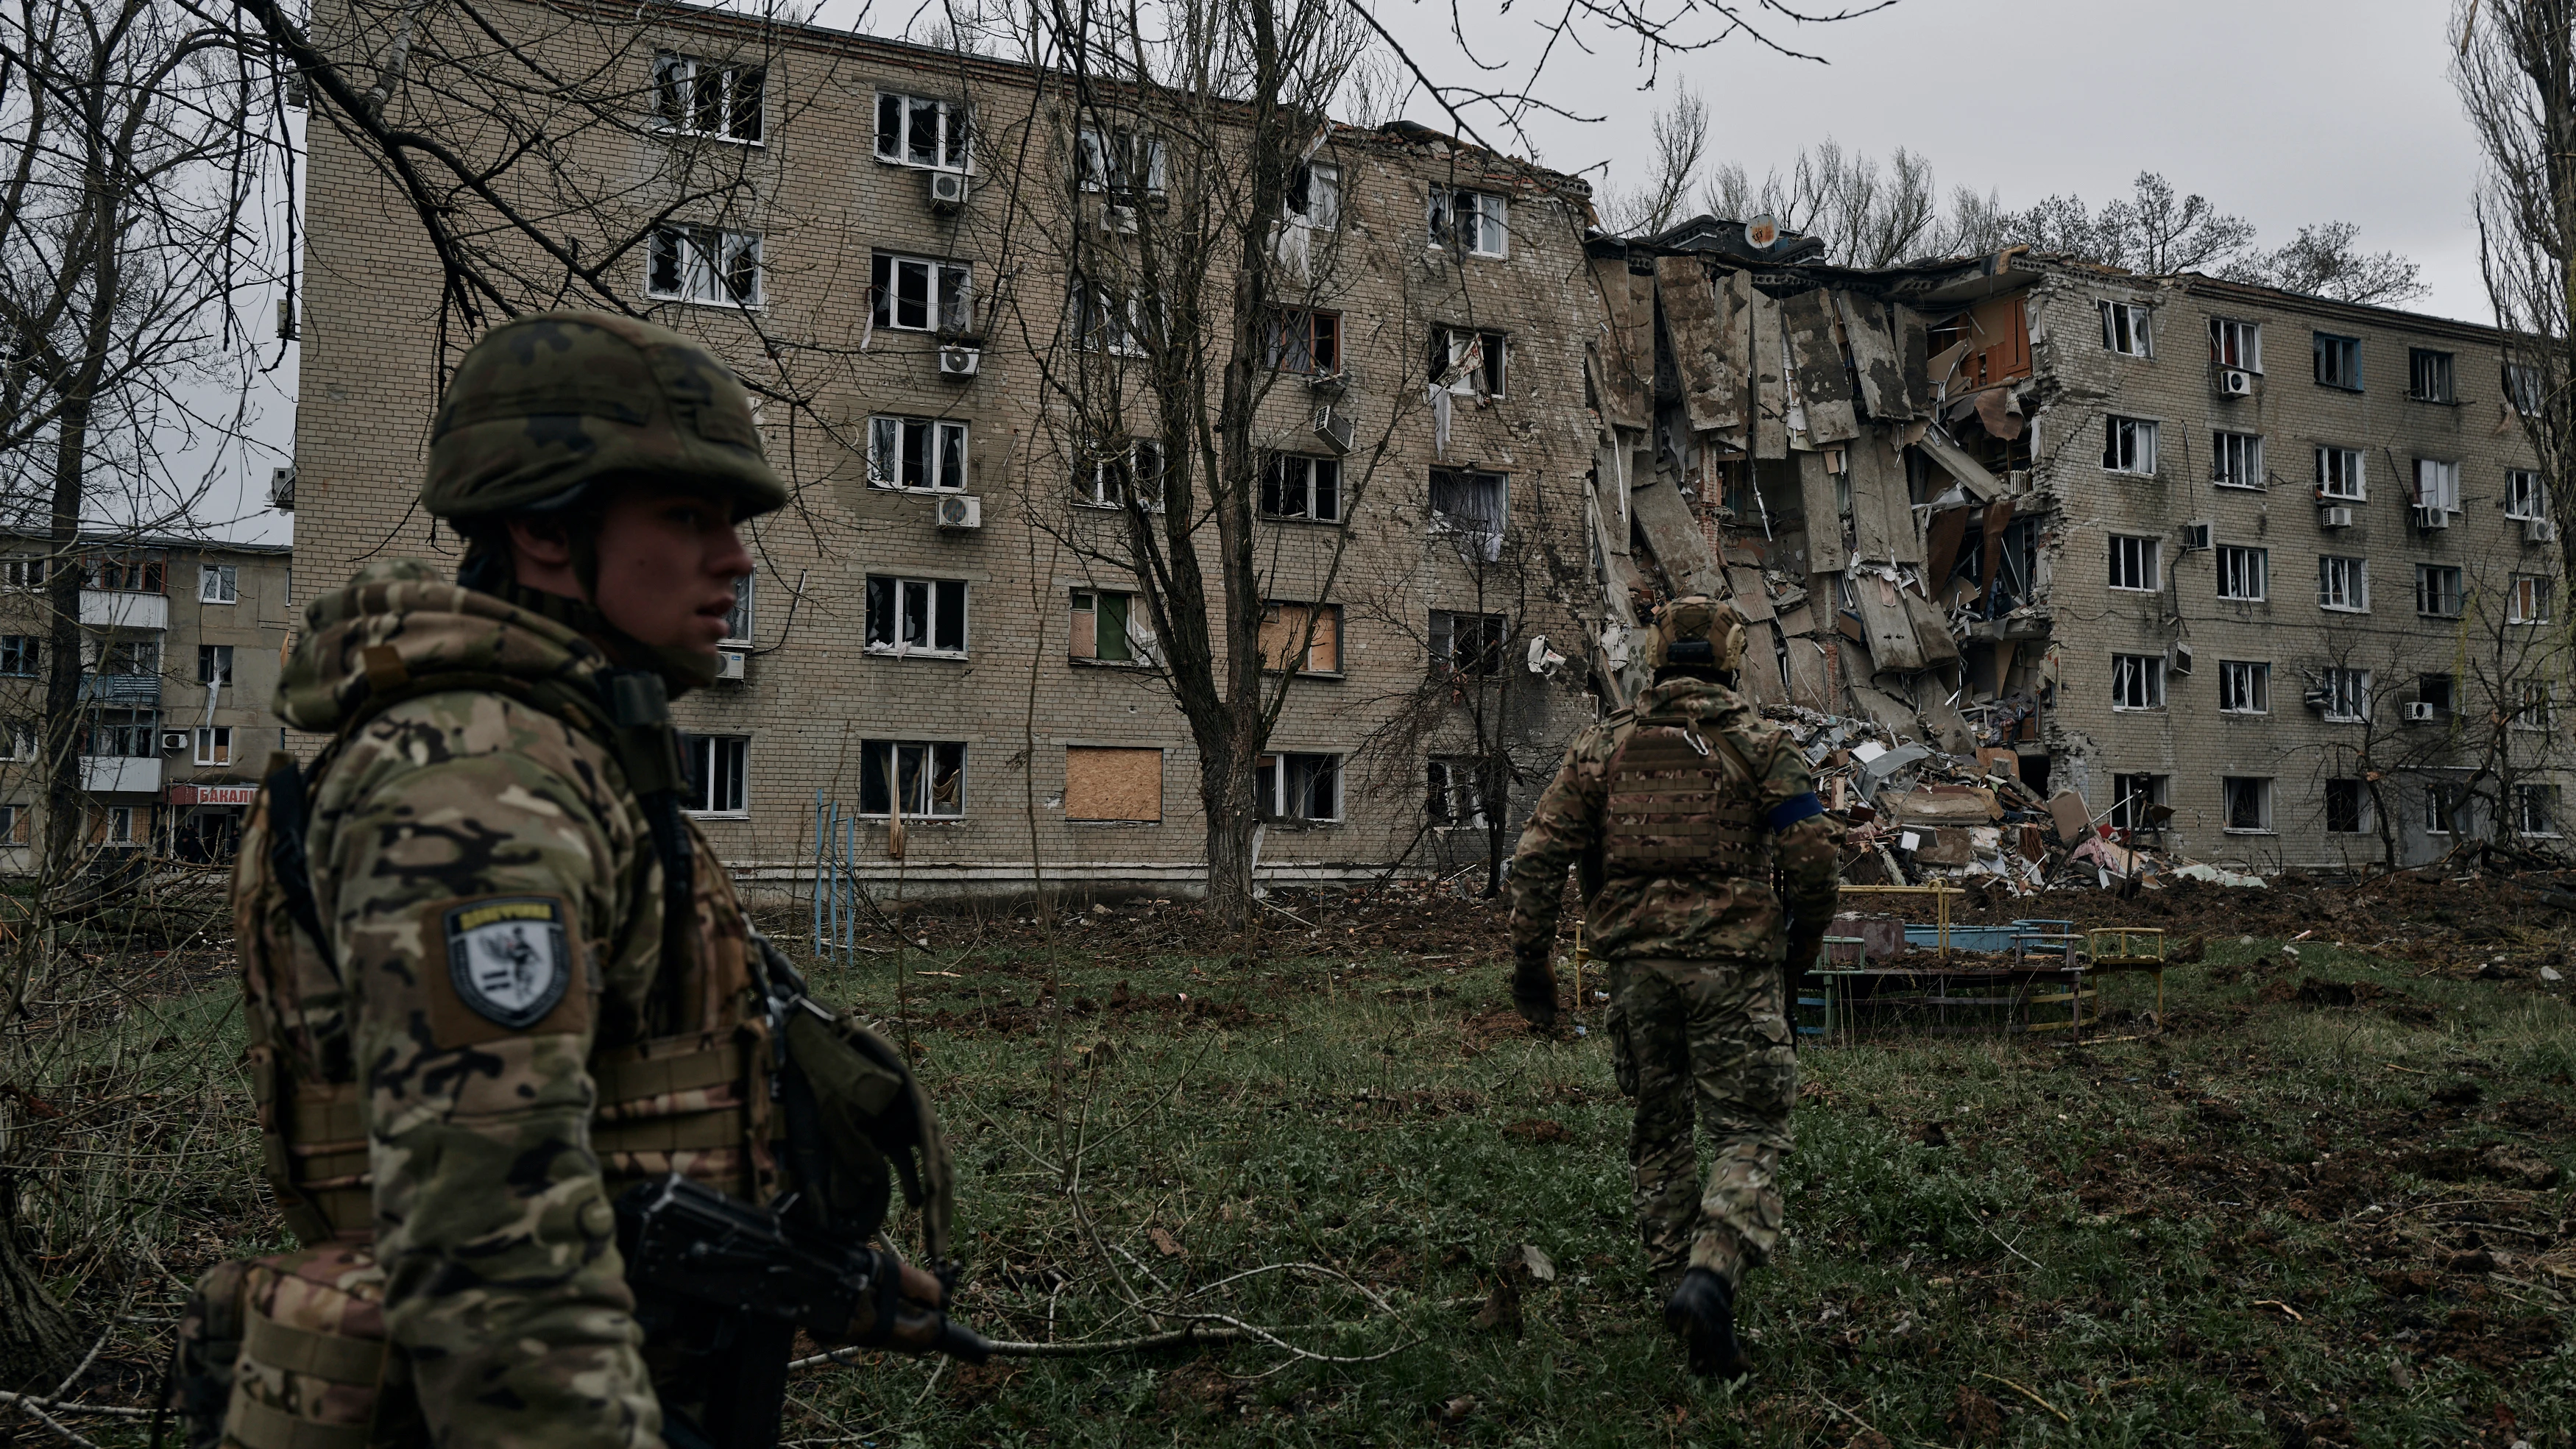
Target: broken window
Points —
{"points": [[14, 821], [2132, 797], [2244, 687], [2533, 712], [2441, 809], [916, 616], [926, 777], [1120, 163], [2124, 328], [27, 571], [1466, 362], [917, 454], [1468, 501], [2236, 460], [2535, 809], [215, 745], [2437, 591], [738, 618], [2339, 475], [1105, 627], [1303, 638], [2339, 361], [125, 573], [19, 653], [1456, 797], [2347, 694], [1108, 319], [2428, 375], [1299, 787], [2525, 496], [2247, 802], [719, 774], [215, 664], [125, 734], [1314, 195], [2347, 807], [2528, 603], [915, 131], [2436, 690], [923, 294], [2136, 563], [2437, 485], [2243, 573], [2343, 584], [2128, 444], [1470, 644], [1121, 476], [703, 264], [2236, 344], [218, 584], [2137, 681], [2522, 386], [1295, 485], [1121, 784], [1471, 221], [128, 656], [1302, 339], [699, 97]]}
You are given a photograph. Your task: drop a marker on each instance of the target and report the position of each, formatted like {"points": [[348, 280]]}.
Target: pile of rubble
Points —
{"points": [[1916, 814]]}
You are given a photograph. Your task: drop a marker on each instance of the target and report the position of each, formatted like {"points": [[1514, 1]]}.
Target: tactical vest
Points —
{"points": [[1682, 802], [692, 1101]]}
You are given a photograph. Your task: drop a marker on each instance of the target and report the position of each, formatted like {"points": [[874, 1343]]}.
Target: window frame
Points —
{"points": [[2437, 485], [1465, 525], [1450, 781], [1489, 377], [2356, 583], [22, 656], [743, 617], [702, 259], [2350, 693], [2148, 672], [2241, 680], [2344, 350], [2530, 599], [2357, 479], [2136, 556], [2524, 388], [2244, 338], [2428, 574], [2443, 801], [715, 762], [2129, 805], [1119, 472], [1441, 643], [886, 301], [2126, 442], [2539, 705], [669, 107], [2432, 376], [2126, 329], [2526, 495], [1270, 780], [898, 592], [215, 664], [951, 116], [2524, 795], [1320, 332], [1275, 486], [1306, 175], [943, 439], [2361, 817], [1085, 604], [2228, 786], [214, 745], [1313, 637], [2234, 563], [218, 583], [889, 780], [1492, 222], [2247, 456], [1092, 149]]}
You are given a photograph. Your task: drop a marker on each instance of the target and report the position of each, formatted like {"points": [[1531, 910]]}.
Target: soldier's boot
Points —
{"points": [[1701, 1312]]}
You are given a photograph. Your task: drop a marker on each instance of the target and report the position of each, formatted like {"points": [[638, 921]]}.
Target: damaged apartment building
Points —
{"points": [[943, 627], [2259, 578]]}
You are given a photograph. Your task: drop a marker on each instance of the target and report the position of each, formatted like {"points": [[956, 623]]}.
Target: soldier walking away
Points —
{"points": [[513, 1040], [1678, 812]]}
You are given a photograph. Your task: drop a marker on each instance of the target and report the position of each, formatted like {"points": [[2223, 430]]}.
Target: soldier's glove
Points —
{"points": [[1534, 988]]}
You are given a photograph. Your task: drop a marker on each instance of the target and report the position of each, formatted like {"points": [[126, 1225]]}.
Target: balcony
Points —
{"points": [[112, 775], [136, 691], [117, 609]]}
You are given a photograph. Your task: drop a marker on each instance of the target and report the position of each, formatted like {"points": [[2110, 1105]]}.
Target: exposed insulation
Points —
{"points": [[1824, 383], [1875, 361]]}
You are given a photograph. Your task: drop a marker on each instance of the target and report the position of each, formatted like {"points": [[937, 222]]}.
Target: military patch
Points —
{"points": [[508, 958]]}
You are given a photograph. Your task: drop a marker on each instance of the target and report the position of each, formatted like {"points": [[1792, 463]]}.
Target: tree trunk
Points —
{"points": [[64, 716], [36, 1338], [1226, 793]]}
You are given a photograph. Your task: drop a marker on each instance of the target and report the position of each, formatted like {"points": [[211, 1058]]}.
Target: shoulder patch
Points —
{"points": [[509, 958]]}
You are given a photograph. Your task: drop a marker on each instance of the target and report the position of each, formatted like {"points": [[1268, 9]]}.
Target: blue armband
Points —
{"points": [[1794, 809]]}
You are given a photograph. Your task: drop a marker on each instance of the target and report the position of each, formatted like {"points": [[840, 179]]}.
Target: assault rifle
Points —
{"points": [[726, 1284]]}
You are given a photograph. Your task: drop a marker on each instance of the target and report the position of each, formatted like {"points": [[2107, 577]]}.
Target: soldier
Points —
{"points": [[518, 980], [1677, 810]]}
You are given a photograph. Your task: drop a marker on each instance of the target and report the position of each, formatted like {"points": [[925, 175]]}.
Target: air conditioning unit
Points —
{"points": [[960, 362], [2317, 698], [959, 511], [281, 488], [732, 666], [2338, 516], [2432, 518], [174, 742], [947, 191], [2418, 712], [1118, 220], [2235, 382], [1333, 383], [2195, 535], [2180, 663], [2540, 530], [1334, 427]]}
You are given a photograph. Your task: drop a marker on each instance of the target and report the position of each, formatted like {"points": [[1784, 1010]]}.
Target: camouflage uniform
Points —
{"points": [[518, 1017], [1695, 951]]}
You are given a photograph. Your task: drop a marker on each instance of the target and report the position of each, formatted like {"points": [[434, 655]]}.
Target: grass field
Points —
{"points": [[2281, 1222], [2325, 1206]]}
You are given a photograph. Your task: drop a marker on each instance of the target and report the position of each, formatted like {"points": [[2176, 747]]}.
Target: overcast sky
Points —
{"points": [[2283, 112]]}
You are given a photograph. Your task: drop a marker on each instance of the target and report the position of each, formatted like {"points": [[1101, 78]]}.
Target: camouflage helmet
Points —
{"points": [[546, 405], [1697, 631]]}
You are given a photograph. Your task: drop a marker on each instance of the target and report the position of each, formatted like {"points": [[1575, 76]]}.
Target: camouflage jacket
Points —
{"points": [[1678, 916], [497, 914]]}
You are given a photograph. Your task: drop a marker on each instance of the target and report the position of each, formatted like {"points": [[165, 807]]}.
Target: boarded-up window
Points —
{"points": [[1112, 784], [1284, 631]]}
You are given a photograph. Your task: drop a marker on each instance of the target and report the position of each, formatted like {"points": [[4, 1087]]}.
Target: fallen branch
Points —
{"points": [[2295, 1315], [1193, 1334], [2030, 1394], [59, 1406]]}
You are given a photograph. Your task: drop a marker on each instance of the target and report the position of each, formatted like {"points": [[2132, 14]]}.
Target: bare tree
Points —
{"points": [[1680, 149], [1868, 216], [2516, 75], [2322, 262]]}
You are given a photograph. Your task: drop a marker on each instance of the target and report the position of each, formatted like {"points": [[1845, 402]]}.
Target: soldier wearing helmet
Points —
{"points": [[495, 974], [1679, 812]]}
